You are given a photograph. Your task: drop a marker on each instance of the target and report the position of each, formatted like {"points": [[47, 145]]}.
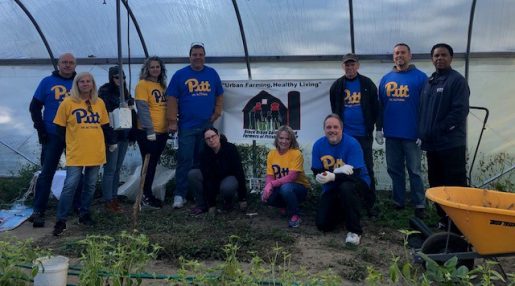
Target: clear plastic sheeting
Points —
{"points": [[84, 27], [296, 27], [379, 24], [494, 25], [19, 39], [171, 26]]}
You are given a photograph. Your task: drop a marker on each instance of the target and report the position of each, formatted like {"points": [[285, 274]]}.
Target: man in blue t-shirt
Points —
{"points": [[354, 97], [43, 107], [399, 96], [195, 98], [337, 163]]}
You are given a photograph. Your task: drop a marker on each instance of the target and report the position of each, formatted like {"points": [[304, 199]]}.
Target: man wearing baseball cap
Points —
{"points": [[354, 98]]}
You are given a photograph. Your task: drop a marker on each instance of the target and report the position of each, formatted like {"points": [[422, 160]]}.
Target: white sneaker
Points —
{"points": [[178, 202], [352, 239]]}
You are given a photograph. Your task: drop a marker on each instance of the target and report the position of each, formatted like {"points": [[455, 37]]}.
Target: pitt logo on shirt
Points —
{"points": [[200, 88], [59, 92], [330, 163], [279, 172], [393, 90], [82, 116], [158, 96], [353, 99]]}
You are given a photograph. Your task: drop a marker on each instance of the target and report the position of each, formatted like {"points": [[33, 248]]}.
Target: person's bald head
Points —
{"points": [[66, 65]]}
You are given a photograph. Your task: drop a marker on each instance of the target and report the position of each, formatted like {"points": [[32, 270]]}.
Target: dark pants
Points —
{"points": [[51, 153], [369, 197], [154, 148], [345, 199], [447, 168], [206, 197]]}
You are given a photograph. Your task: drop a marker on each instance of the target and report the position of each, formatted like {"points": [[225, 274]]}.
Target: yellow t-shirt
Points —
{"points": [[153, 94], [278, 165], [85, 145]]}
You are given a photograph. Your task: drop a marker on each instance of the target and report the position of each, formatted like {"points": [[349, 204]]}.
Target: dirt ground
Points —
{"points": [[314, 250]]}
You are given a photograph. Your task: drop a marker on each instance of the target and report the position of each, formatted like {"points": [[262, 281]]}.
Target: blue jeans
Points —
{"points": [[400, 154], [111, 177], [288, 195], [191, 142], [73, 177], [51, 153]]}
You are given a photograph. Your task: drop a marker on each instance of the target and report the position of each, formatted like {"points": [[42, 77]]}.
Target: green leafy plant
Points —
{"points": [[109, 260], [278, 271], [492, 165], [486, 274], [13, 254]]}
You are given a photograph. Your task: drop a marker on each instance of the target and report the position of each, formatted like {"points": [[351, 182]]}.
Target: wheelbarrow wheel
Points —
{"points": [[435, 244]]}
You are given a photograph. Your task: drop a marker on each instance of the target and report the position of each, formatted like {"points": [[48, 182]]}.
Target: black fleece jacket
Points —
{"points": [[369, 102], [217, 166]]}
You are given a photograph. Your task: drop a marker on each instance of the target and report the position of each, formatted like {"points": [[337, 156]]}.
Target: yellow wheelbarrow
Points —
{"points": [[486, 219]]}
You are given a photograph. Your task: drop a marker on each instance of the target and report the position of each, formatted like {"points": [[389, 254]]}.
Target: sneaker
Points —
{"points": [[37, 219], [151, 203], [294, 221], [420, 213], [352, 239], [86, 220], [197, 211], [178, 202], [59, 228]]}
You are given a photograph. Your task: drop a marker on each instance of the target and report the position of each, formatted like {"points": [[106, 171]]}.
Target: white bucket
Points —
{"points": [[53, 271]]}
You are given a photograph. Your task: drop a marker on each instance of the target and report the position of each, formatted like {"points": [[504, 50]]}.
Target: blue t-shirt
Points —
{"points": [[195, 92], [329, 157], [51, 92], [353, 120], [399, 93]]}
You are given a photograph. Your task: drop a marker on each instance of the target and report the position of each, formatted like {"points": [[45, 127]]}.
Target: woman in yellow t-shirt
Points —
{"points": [[152, 124], [81, 121], [286, 183]]}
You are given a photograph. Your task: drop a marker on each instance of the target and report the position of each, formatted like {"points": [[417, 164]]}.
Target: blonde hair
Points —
{"points": [[293, 140], [145, 74], [75, 92]]}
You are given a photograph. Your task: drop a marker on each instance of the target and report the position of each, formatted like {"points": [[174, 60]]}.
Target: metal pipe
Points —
{"points": [[351, 20], [243, 39], [41, 35], [136, 25], [469, 39]]}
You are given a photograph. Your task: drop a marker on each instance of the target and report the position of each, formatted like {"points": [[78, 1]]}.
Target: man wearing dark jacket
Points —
{"points": [[43, 107], [354, 98], [444, 106]]}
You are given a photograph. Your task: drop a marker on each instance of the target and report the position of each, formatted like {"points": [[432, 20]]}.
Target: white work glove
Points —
{"points": [[325, 177], [113, 147], [418, 142], [151, 137], [345, 169], [379, 137]]}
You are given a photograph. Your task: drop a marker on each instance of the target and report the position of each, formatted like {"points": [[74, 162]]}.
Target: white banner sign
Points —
{"points": [[253, 110]]}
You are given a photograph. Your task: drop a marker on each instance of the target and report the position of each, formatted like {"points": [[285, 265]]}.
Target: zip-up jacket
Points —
{"points": [[369, 102], [444, 106]]}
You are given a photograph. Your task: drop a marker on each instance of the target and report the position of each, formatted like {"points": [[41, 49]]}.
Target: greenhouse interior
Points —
{"points": [[277, 61], [259, 41]]}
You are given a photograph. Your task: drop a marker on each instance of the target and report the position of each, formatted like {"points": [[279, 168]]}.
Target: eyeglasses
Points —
{"points": [[210, 137], [197, 44], [90, 108]]}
